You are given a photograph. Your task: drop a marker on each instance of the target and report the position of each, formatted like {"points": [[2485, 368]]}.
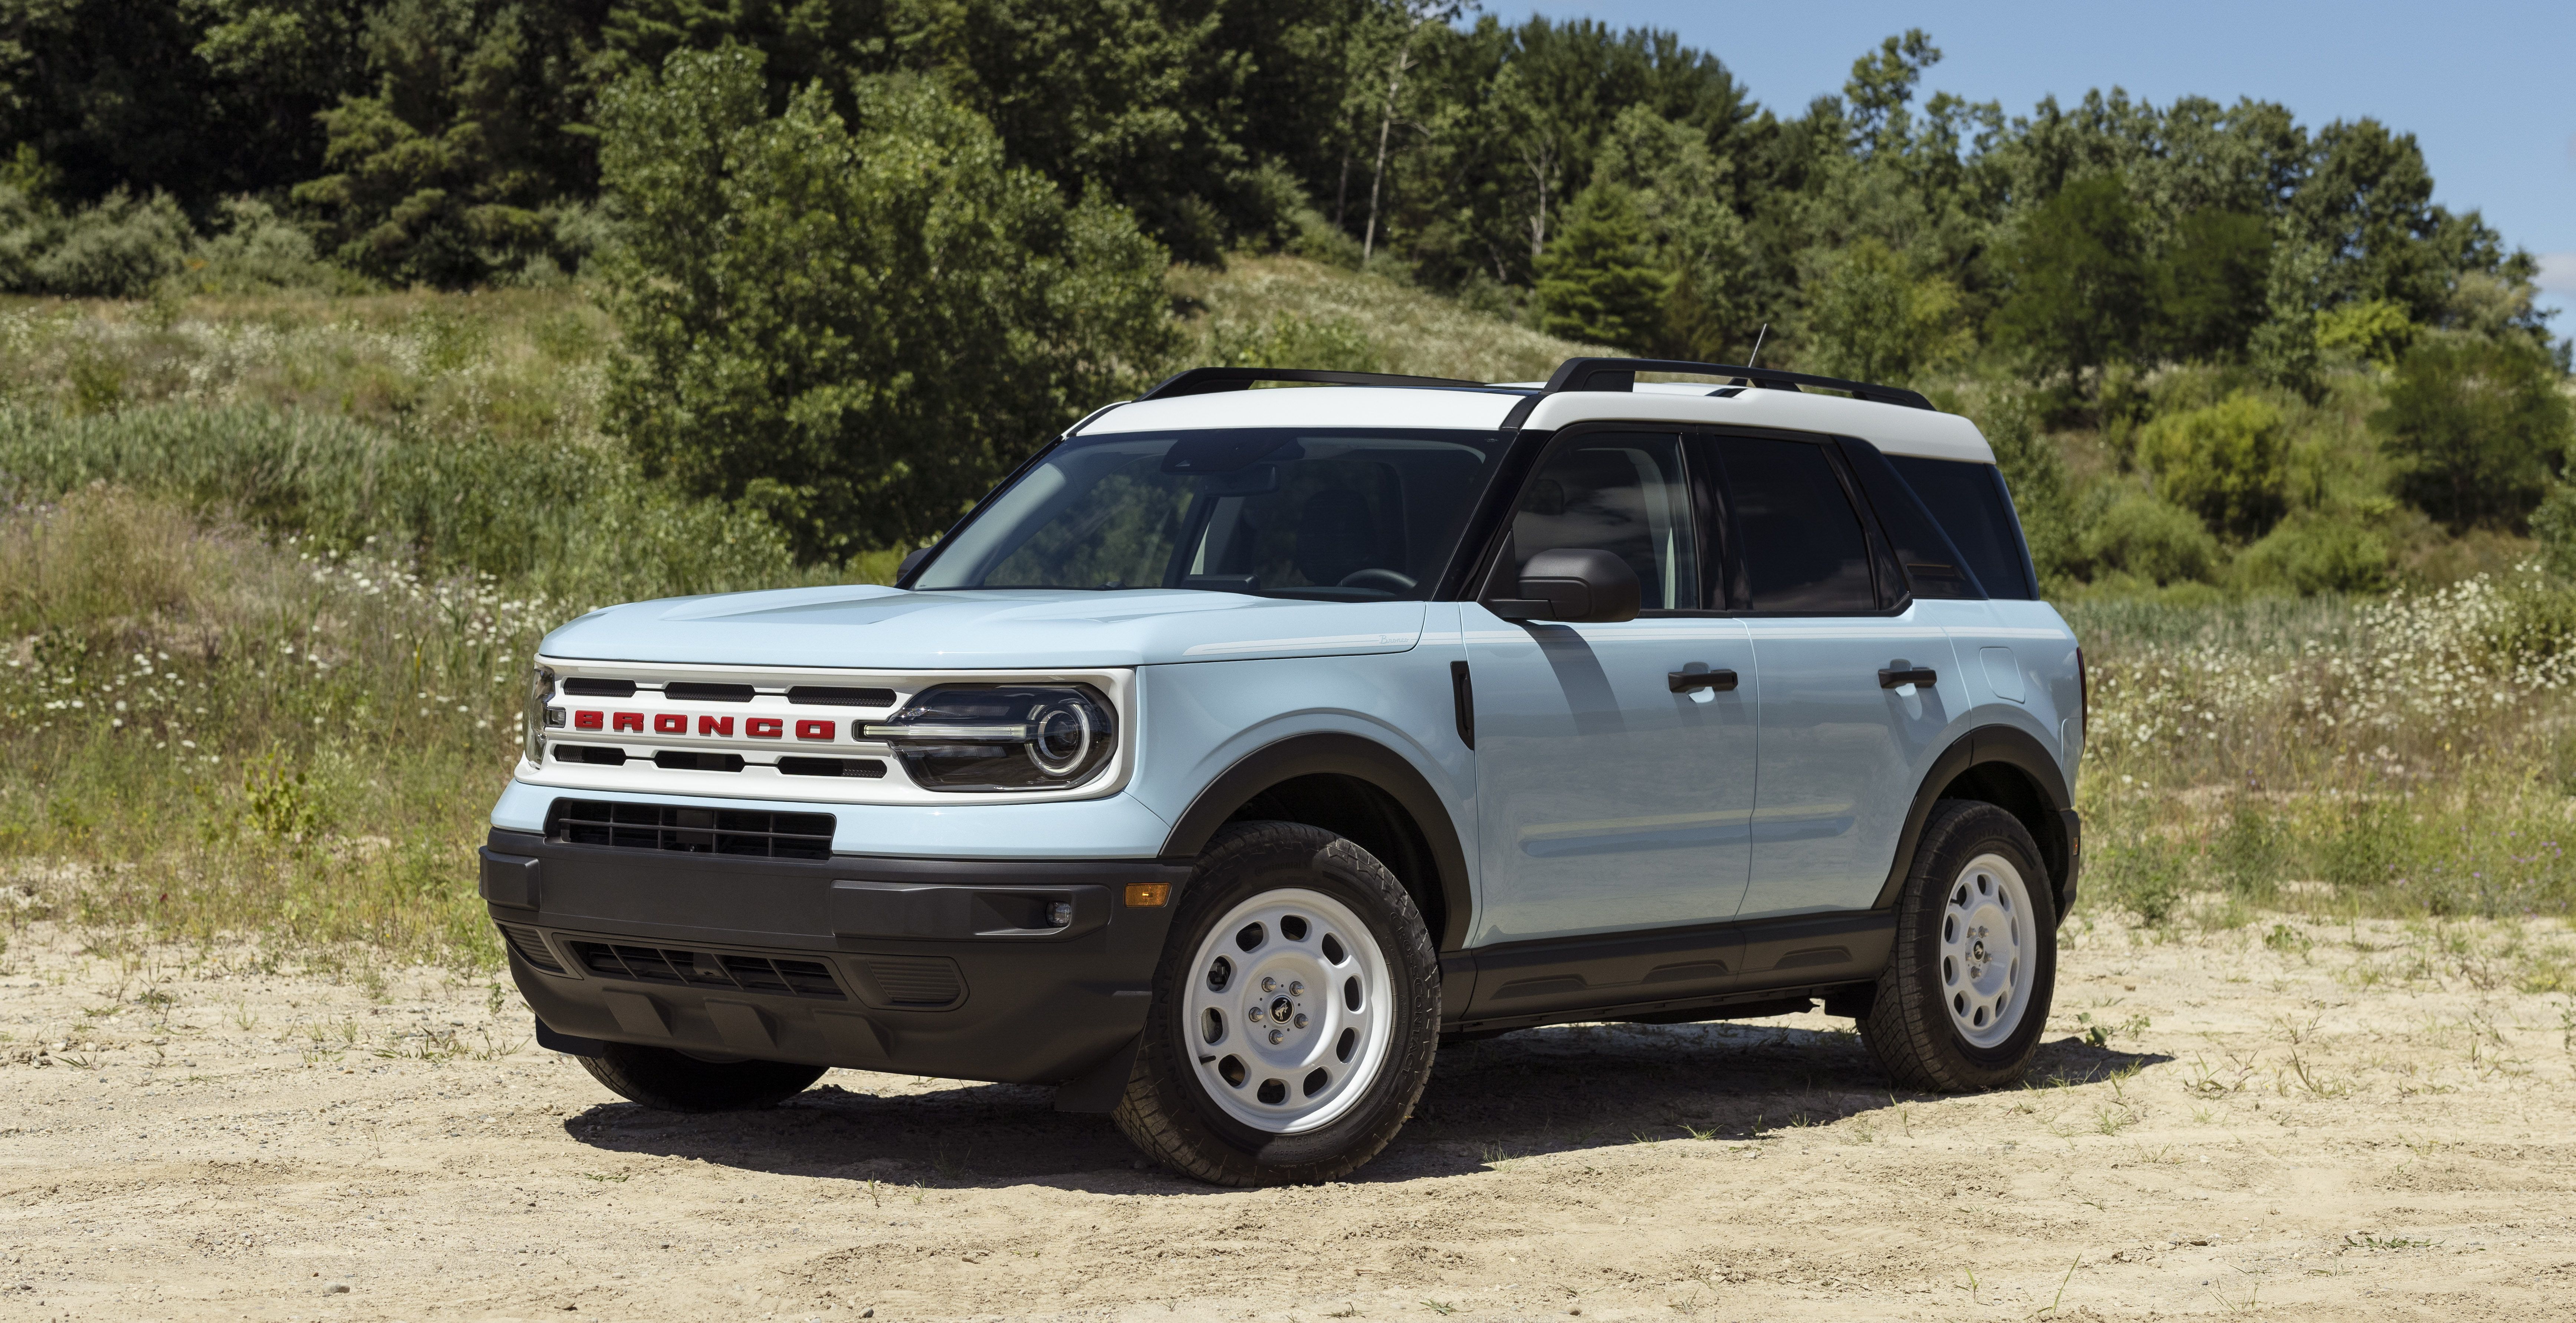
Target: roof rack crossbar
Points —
{"points": [[1210, 380], [1620, 374]]}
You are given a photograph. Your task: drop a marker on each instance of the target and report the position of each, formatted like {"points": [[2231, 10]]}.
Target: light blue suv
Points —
{"points": [[1246, 745]]}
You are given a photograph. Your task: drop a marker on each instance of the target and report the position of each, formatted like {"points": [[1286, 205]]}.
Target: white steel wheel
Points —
{"points": [[1987, 939], [1288, 1011]]}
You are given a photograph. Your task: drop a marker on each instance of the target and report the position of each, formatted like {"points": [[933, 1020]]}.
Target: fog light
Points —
{"points": [[1060, 914]]}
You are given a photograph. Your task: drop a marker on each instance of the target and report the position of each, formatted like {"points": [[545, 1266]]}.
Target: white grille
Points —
{"points": [[769, 733]]}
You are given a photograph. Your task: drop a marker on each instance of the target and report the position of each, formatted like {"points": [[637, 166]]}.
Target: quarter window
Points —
{"points": [[1623, 493], [1803, 549]]}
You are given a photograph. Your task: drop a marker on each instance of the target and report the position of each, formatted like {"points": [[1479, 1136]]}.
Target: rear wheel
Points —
{"points": [[1967, 989], [676, 1082], [1295, 1013]]}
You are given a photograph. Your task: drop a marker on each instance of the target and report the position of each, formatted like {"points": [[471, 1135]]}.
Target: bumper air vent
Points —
{"points": [[584, 753], [824, 695], [692, 691], [585, 687], [773, 976], [912, 983], [831, 767], [677, 761], [743, 832], [531, 947]]}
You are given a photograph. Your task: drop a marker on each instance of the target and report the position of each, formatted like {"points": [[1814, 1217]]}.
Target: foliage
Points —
{"points": [[2081, 283], [1598, 280], [2151, 539], [2313, 552], [1872, 320], [2477, 426], [2228, 462], [856, 326]]}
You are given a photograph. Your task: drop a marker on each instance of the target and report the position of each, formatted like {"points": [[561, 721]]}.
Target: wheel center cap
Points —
{"points": [[1978, 953], [1280, 1009]]}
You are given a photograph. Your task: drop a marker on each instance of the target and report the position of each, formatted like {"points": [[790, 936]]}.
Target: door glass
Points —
{"points": [[1804, 552], [1622, 493]]}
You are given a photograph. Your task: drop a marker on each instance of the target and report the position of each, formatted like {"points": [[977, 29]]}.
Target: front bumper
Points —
{"points": [[1009, 970]]}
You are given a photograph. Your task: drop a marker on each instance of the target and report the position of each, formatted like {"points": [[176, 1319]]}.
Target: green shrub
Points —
{"points": [[2312, 553], [2477, 427], [856, 325], [2142, 535], [2228, 462], [258, 251], [120, 248], [1288, 340]]}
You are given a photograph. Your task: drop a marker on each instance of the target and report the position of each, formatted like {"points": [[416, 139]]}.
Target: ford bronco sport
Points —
{"points": [[1244, 745]]}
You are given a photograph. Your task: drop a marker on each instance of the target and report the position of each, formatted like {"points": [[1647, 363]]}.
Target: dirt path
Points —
{"points": [[2341, 1122]]}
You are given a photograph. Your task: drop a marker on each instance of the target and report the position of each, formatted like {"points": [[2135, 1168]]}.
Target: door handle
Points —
{"points": [[1891, 677], [1683, 682]]}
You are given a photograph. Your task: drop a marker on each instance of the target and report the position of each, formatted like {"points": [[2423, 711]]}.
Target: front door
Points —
{"points": [[1610, 799], [1839, 746]]}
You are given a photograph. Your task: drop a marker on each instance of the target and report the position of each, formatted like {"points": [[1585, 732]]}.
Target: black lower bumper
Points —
{"points": [[1022, 972]]}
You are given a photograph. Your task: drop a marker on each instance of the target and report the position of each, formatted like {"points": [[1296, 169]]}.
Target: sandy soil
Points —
{"points": [[2340, 1122]]}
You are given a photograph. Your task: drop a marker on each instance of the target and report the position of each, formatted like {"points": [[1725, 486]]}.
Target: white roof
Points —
{"points": [[1893, 428]]}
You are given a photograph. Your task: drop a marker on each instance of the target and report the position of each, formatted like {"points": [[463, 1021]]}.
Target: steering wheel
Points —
{"points": [[1385, 581]]}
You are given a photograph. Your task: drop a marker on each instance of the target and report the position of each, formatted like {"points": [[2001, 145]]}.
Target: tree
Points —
{"points": [[459, 165], [2079, 280], [2210, 283], [1598, 282], [857, 324], [1873, 320], [2478, 426]]}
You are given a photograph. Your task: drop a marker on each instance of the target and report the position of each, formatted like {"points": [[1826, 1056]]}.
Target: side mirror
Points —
{"points": [[911, 559], [1577, 585]]}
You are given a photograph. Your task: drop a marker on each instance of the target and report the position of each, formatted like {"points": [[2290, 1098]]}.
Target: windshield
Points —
{"points": [[1337, 514]]}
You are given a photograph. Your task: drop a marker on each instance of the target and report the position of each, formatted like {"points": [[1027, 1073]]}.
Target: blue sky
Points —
{"points": [[2485, 87]]}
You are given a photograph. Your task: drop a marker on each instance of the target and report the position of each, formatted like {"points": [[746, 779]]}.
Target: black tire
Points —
{"points": [[1910, 1027], [1168, 1110], [676, 1082]]}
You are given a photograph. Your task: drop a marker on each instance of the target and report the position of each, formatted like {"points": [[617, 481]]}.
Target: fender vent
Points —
{"points": [[774, 976], [530, 946], [691, 830]]}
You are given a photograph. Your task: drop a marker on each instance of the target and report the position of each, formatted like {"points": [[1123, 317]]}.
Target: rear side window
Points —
{"points": [[1933, 567], [1804, 551], [1969, 500]]}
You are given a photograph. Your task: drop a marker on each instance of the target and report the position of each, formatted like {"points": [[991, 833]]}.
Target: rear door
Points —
{"points": [[1829, 626]]}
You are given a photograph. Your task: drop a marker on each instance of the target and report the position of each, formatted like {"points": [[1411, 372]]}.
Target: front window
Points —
{"points": [[1328, 513]]}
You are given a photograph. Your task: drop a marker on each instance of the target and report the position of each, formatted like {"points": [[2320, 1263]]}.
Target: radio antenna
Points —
{"points": [[1755, 358]]}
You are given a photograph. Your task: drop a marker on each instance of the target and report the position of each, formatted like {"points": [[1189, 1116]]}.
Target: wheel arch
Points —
{"points": [[2013, 771], [1353, 787]]}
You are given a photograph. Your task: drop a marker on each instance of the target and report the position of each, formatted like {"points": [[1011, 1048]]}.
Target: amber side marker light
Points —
{"points": [[1148, 895]]}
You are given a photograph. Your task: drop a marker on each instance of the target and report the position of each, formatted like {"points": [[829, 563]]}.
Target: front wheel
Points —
{"points": [[1966, 992], [1295, 1015]]}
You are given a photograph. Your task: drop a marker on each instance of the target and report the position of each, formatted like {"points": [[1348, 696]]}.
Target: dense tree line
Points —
{"points": [[933, 182]]}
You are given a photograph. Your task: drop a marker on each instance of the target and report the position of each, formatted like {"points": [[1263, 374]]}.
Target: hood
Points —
{"points": [[887, 629]]}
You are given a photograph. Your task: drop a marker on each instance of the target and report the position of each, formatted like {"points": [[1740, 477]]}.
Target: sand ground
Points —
{"points": [[2300, 1121]]}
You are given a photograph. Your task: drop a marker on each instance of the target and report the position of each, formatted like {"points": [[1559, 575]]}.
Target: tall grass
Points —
{"points": [[2405, 755]]}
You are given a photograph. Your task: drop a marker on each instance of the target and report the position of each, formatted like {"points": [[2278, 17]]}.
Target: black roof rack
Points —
{"points": [[1210, 380], [1620, 374]]}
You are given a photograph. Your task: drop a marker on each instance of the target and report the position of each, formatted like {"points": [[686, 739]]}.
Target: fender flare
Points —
{"points": [[1353, 756], [2009, 747]]}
